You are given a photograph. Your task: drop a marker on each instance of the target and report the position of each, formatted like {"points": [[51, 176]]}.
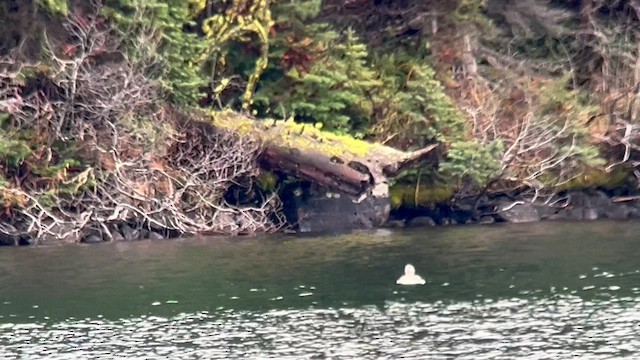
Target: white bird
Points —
{"points": [[410, 277]]}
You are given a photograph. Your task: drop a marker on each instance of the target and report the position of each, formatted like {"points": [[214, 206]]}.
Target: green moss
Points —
{"points": [[409, 196], [598, 178], [55, 7], [267, 181], [294, 135]]}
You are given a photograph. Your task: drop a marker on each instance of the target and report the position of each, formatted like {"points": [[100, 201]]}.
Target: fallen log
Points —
{"points": [[338, 163]]}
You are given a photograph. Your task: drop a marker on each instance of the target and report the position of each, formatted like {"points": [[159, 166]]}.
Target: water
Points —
{"points": [[537, 291]]}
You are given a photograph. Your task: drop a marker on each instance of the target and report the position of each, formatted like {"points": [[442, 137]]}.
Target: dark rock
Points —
{"points": [[574, 213], [154, 236], [92, 239], [332, 212], [618, 212], [117, 236], [634, 212], [558, 216], [9, 239], [73, 237], [486, 220], [421, 221], [518, 213], [590, 214], [546, 212], [395, 224], [27, 240], [128, 233]]}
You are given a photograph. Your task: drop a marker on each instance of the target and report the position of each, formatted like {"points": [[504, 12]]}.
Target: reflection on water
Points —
{"points": [[538, 291], [559, 327]]}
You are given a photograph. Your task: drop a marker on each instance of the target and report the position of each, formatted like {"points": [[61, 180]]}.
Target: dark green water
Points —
{"points": [[540, 291]]}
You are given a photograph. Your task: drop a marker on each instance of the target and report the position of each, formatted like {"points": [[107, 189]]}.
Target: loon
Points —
{"points": [[410, 277]]}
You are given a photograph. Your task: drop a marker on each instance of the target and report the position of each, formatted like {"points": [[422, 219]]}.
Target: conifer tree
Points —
{"points": [[180, 53]]}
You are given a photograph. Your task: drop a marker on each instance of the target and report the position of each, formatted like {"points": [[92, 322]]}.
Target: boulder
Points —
{"points": [[334, 212], [154, 236], [7, 238], [486, 220], [518, 212], [92, 239], [421, 221], [618, 212], [590, 214], [395, 224], [129, 233]]}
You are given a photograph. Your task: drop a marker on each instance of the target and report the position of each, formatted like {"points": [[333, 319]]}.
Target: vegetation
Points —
{"points": [[522, 95]]}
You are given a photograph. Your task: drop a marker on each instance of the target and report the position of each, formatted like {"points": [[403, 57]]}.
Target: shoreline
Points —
{"points": [[578, 206]]}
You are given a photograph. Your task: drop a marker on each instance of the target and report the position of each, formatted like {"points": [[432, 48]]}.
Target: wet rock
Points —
{"points": [[421, 221], [315, 211], [395, 224], [9, 239], [590, 214], [546, 212], [634, 212], [154, 236], [518, 213], [562, 215], [574, 213], [618, 212], [117, 236], [486, 220], [129, 233], [92, 239]]}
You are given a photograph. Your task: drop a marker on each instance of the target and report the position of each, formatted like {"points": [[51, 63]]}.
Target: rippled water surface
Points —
{"points": [[539, 291]]}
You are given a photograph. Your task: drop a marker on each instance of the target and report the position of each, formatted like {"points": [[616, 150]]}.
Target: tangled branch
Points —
{"points": [[113, 153]]}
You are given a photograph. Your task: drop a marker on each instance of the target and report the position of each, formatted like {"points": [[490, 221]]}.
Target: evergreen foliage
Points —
{"points": [[346, 69], [326, 81], [178, 53]]}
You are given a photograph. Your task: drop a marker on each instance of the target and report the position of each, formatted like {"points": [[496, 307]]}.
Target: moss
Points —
{"points": [[598, 178], [408, 196], [295, 135], [267, 181], [55, 7]]}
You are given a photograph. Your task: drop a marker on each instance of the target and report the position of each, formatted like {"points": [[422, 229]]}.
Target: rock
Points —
{"points": [[9, 239], [318, 213], [590, 214], [128, 233], [154, 236], [395, 224], [634, 212], [486, 220], [558, 216], [546, 212], [618, 212], [421, 221], [518, 213], [116, 235], [574, 213], [92, 239]]}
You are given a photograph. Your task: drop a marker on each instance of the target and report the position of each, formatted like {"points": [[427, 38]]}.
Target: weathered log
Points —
{"points": [[342, 164]]}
